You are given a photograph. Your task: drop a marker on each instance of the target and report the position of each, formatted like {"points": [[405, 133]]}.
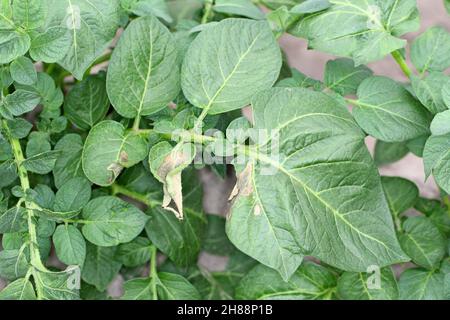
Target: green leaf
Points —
{"points": [[41, 163], [8, 172], [417, 145], [428, 51], [29, 14], [389, 152], [23, 71], [439, 125], [13, 264], [110, 221], [216, 241], [137, 289], [13, 44], [311, 6], [69, 245], [21, 289], [363, 30], [87, 103], [143, 75], [92, 27], [325, 178], [13, 220], [135, 253], [158, 8], [429, 91], [100, 266], [58, 285], [175, 287], [19, 128], [184, 244], [108, 149], [436, 156], [366, 286], [420, 284], [73, 195], [243, 8], [386, 111], [401, 194], [230, 61], [5, 77], [51, 45], [423, 242], [310, 282], [343, 77], [68, 165], [21, 101]]}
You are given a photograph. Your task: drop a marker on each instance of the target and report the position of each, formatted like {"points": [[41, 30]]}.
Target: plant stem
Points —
{"points": [[145, 199], [402, 63], [207, 13], [137, 123], [153, 272], [25, 184]]}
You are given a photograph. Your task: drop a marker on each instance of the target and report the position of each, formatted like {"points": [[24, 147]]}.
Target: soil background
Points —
{"points": [[312, 63]]}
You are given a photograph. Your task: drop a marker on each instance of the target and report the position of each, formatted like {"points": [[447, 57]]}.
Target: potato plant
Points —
{"points": [[110, 110]]}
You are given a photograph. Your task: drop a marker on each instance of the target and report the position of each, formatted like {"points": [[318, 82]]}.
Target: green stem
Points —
{"points": [[402, 63], [145, 199], [137, 123], [207, 12], [25, 184], [154, 272]]}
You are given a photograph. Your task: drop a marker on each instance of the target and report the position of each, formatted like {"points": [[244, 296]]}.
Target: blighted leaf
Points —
{"points": [[429, 50], [70, 245], [309, 282], [376, 285], [423, 242], [108, 149], [387, 111], [143, 75], [21, 289], [100, 266], [87, 103], [389, 152], [320, 175], [23, 71], [111, 221], [343, 77], [167, 164], [230, 62]]}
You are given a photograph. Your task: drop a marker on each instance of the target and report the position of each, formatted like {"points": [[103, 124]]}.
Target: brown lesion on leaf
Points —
{"points": [[170, 172], [115, 169], [123, 157], [244, 185]]}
